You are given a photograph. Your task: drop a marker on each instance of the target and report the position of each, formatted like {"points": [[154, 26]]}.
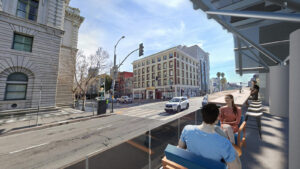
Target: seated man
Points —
{"points": [[203, 140]]}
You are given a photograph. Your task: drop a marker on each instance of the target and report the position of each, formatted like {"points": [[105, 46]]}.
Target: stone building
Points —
{"points": [[178, 71], [38, 45]]}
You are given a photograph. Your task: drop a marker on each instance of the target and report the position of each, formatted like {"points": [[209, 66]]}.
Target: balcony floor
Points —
{"points": [[272, 150]]}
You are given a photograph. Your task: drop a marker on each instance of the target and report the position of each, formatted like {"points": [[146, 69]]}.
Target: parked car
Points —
{"points": [[125, 99], [176, 104], [110, 100], [205, 100]]}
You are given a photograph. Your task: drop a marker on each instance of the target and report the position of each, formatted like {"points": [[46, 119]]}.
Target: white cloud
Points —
{"points": [[159, 24], [169, 3]]}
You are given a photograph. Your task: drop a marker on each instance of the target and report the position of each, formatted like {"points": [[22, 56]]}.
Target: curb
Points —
{"points": [[54, 124]]}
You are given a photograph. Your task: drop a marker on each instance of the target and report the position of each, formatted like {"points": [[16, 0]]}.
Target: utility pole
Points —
{"points": [[116, 67], [114, 74]]}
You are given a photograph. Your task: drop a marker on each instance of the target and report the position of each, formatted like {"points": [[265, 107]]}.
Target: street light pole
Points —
{"points": [[114, 74]]}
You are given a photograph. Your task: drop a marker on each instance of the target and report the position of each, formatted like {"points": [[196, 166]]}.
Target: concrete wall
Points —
{"points": [[67, 58], [264, 89], [294, 98], [279, 90], [0, 5]]}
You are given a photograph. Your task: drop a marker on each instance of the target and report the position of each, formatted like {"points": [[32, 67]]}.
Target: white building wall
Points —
{"points": [[264, 87], [0, 5], [279, 90], [294, 101]]}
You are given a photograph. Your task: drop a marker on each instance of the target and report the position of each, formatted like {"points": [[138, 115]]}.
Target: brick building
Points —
{"points": [[124, 84], [173, 72]]}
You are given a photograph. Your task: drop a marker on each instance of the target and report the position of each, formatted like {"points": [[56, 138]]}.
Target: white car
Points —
{"points": [[125, 99], [177, 104]]}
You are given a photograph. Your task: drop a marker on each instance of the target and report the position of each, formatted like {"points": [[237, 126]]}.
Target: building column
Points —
{"points": [[294, 97], [153, 94], [147, 94], [264, 88], [279, 90], [132, 94], [176, 94]]}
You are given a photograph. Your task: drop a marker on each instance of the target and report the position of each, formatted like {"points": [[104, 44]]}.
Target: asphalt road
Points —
{"points": [[58, 146]]}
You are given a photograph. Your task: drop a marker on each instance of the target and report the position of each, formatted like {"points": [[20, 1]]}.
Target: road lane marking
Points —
{"points": [[100, 128], [138, 146], [140, 112], [31, 147]]}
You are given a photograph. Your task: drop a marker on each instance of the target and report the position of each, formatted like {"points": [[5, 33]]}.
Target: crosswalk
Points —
{"points": [[142, 112], [32, 116]]}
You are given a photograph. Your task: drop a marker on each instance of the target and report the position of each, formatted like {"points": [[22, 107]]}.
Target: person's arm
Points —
{"points": [[238, 117], [230, 156], [221, 117], [181, 144], [236, 164]]}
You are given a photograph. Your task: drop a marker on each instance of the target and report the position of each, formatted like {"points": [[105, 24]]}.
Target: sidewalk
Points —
{"points": [[17, 122], [30, 120]]}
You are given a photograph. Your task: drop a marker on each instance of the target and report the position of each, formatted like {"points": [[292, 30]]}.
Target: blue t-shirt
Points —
{"points": [[208, 145]]}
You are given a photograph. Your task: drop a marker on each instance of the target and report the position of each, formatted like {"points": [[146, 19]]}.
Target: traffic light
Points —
{"points": [[141, 49]]}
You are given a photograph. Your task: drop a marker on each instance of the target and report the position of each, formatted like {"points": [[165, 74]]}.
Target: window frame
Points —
{"points": [[16, 83], [29, 4], [26, 36]]}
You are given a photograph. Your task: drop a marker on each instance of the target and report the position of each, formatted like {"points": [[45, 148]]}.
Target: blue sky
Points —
{"points": [[159, 24]]}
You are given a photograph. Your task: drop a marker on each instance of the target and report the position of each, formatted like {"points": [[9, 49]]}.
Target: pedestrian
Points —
{"points": [[106, 103]]}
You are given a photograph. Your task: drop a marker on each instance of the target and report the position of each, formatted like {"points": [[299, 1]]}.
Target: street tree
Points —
{"points": [[87, 70]]}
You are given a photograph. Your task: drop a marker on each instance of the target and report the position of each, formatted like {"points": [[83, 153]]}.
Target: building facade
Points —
{"points": [[124, 84], [169, 73], [38, 47], [214, 85]]}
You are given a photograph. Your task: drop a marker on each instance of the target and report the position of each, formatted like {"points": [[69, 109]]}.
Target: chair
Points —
{"points": [[255, 110], [240, 136], [177, 158], [255, 105]]}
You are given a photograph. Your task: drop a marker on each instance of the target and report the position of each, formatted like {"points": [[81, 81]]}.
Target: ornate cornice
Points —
{"points": [[74, 15]]}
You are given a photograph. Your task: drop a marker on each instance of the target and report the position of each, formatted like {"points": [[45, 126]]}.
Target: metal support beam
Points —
{"points": [[257, 61], [206, 7], [288, 17], [254, 54], [240, 57], [256, 46]]}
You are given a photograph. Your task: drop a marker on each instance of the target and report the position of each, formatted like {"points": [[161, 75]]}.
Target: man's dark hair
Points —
{"points": [[210, 113]]}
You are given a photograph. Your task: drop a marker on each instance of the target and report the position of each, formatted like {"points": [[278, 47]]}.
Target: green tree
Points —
{"points": [[108, 82], [218, 75]]}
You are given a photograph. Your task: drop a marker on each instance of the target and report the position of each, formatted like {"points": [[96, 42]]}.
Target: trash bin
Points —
{"points": [[101, 107]]}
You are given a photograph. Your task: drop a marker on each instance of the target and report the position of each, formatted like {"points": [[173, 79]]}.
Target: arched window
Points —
{"points": [[16, 86]]}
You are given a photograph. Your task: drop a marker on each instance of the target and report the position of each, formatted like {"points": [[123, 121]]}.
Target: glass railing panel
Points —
{"points": [[160, 138]]}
